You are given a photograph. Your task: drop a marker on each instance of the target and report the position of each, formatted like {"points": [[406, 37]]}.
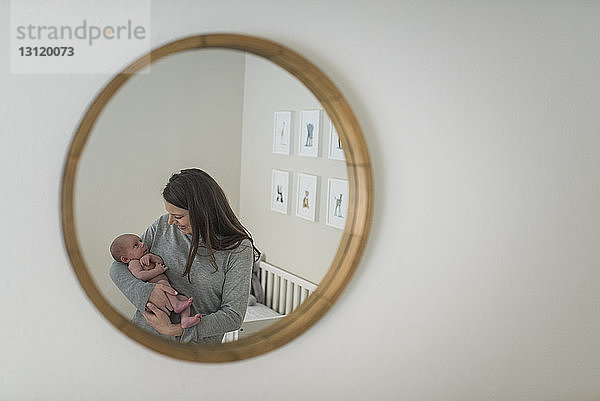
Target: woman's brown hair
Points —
{"points": [[211, 218]]}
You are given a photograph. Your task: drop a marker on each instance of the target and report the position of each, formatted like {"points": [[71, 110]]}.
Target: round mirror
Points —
{"points": [[277, 136]]}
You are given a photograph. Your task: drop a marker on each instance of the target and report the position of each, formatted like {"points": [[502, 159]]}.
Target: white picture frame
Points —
{"points": [[282, 132], [308, 137], [280, 191], [336, 151], [306, 196], [337, 203]]}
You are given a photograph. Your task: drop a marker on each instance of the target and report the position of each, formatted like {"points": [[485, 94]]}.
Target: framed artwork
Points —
{"points": [[337, 203], [279, 191], [306, 202], [335, 144], [282, 128], [308, 142]]}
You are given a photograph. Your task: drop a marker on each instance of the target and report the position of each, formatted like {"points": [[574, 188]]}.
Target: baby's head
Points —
{"points": [[128, 247]]}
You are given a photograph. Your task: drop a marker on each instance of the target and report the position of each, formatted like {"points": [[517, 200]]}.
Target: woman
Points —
{"points": [[209, 254]]}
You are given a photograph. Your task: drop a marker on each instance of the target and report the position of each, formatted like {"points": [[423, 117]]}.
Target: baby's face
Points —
{"points": [[135, 248]]}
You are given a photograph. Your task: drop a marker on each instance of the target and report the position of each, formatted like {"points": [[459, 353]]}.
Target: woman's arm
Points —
{"points": [[137, 291]]}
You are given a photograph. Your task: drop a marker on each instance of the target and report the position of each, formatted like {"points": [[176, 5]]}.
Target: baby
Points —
{"points": [[130, 249]]}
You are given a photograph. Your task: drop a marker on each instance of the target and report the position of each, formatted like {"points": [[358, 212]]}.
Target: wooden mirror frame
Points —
{"points": [[353, 239]]}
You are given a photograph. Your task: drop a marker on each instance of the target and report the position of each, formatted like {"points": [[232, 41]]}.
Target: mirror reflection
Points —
{"points": [[265, 140]]}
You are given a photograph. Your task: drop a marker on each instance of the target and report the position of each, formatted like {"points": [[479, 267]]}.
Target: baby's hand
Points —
{"points": [[161, 266], [145, 260]]}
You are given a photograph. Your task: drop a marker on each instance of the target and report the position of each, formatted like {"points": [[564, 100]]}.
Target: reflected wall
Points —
{"points": [[302, 247]]}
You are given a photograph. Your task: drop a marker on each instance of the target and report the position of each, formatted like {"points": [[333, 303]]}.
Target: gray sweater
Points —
{"points": [[220, 296]]}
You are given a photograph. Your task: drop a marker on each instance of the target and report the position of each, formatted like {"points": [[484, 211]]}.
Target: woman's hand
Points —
{"points": [[158, 297], [160, 321]]}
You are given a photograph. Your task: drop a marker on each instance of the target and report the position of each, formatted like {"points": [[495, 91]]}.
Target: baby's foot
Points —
{"points": [[182, 303], [189, 321]]}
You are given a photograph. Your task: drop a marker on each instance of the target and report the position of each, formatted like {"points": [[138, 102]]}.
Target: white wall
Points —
{"points": [[302, 247], [480, 280]]}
